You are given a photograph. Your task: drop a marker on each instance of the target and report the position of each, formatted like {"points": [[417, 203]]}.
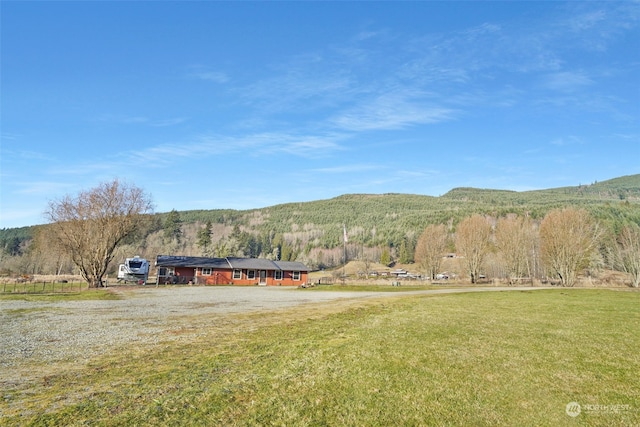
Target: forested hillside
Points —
{"points": [[377, 225]]}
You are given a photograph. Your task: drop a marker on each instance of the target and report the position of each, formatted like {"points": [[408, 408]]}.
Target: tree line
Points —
{"points": [[566, 242], [522, 239]]}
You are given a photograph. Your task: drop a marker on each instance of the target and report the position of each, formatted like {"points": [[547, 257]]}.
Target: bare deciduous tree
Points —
{"points": [[90, 226], [515, 239], [568, 239], [473, 241], [629, 252], [430, 249], [47, 247]]}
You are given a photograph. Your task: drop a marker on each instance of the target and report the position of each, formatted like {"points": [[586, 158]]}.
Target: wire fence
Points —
{"points": [[42, 287]]}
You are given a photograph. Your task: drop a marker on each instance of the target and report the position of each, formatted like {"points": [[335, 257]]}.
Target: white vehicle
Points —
{"points": [[134, 269]]}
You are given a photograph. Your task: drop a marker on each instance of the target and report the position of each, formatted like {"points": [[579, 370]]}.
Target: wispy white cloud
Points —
{"points": [[305, 146], [586, 21], [480, 51], [593, 26], [392, 111], [349, 168], [302, 87], [133, 120], [106, 165], [449, 67], [531, 151], [168, 122], [41, 188], [368, 34], [531, 46], [205, 73], [568, 140], [122, 119], [426, 73], [586, 101], [9, 136], [13, 154], [567, 81], [627, 136], [259, 144]]}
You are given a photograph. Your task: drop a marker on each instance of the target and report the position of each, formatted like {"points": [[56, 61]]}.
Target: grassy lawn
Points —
{"points": [[50, 295], [476, 359]]}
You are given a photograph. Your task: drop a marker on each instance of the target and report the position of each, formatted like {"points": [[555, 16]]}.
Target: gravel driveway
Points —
{"points": [[37, 334], [49, 332]]}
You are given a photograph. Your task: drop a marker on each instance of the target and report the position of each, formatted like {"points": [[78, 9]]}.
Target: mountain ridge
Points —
{"points": [[401, 213]]}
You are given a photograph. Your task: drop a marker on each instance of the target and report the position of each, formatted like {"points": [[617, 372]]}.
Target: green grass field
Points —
{"points": [[55, 292], [470, 359]]}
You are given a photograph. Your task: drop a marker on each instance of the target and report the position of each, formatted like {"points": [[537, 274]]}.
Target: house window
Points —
{"points": [[296, 275], [251, 274], [237, 274], [206, 272], [165, 271], [278, 275]]}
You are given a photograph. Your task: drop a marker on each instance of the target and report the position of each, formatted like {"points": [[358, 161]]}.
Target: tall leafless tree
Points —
{"points": [[473, 242], [629, 252], [90, 226], [515, 239], [46, 246], [431, 247], [568, 240]]}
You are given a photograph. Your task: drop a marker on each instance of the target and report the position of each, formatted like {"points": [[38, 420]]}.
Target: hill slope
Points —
{"points": [[389, 219]]}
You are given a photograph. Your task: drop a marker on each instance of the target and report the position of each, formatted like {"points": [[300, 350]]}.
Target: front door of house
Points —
{"points": [[263, 277]]}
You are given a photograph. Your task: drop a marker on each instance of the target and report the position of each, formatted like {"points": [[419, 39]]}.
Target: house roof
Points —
{"points": [[190, 261], [291, 265], [252, 263], [227, 263]]}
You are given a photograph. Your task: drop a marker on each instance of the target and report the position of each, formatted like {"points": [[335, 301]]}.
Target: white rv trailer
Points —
{"points": [[134, 269]]}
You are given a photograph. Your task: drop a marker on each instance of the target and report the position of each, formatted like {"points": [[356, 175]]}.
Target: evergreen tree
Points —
{"points": [[222, 250], [173, 227], [12, 246], [385, 257], [286, 252], [204, 238], [406, 251]]}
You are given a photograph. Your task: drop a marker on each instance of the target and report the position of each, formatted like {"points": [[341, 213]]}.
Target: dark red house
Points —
{"points": [[230, 271]]}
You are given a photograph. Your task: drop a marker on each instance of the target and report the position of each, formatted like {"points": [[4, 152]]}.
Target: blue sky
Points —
{"points": [[240, 105]]}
